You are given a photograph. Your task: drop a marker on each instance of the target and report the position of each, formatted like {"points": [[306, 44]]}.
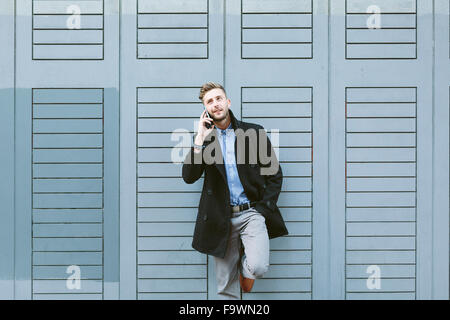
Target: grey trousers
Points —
{"points": [[248, 228]]}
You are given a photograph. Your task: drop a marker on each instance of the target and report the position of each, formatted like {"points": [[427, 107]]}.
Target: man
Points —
{"points": [[237, 211]]}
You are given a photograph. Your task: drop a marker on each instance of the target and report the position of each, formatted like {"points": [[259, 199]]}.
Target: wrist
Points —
{"points": [[198, 140]]}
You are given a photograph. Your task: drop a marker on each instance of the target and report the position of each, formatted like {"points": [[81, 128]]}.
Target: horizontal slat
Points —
{"points": [[381, 296], [183, 94], [290, 257], [169, 50], [381, 110], [67, 155], [67, 170], [67, 95], [295, 214], [381, 51], [376, 257], [172, 6], [172, 296], [381, 169], [67, 111], [386, 6], [381, 154], [60, 272], [381, 184], [67, 215], [168, 200], [172, 35], [386, 271], [67, 140], [166, 185], [165, 139], [167, 214], [60, 21], [67, 185], [381, 229], [288, 271], [166, 229], [180, 110], [173, 271], [277, 296], [67, 244], [67, 36], [284, 124], [278, 6], [295, 199], [67, 296], [172, 20], [381, 125], [382, 199], [299, 228], [67, 258], [360, 285], [387, 20], [274, 109], [156, 125], [381, 140], [67, 200], [269, 285], [171, 257], [268, 20], [60, 286], [64, 52], [165, 243], [296, 169], [172, 285], [377, 243], [68, 126], [277, 50], [276, 35], [381, 214], [62, 6], [276, 94], [67, 230], [291, 243], [381, 35]]}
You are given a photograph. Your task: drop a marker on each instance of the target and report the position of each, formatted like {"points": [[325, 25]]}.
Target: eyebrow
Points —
{"points": [[211, 98]]}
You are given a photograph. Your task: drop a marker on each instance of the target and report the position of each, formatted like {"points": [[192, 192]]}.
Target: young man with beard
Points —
{"points": [[237, 212]]}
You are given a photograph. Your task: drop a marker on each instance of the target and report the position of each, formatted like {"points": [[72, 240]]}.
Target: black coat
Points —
{"points": [[213, 225]]}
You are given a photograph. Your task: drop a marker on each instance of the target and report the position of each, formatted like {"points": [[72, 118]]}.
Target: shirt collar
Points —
{"points": [[225, 131]]}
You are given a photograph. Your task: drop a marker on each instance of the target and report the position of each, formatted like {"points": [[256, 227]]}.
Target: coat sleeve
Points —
{"points": [[273, 181], [193, 166]]}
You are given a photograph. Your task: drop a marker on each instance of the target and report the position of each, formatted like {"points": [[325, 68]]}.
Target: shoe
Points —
{"points": [[246, 283]]}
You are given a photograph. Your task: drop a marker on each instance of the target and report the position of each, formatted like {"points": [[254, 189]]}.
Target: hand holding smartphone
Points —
{"points": [[207, 124]]}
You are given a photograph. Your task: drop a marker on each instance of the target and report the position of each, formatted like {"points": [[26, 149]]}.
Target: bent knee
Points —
{"points": [[259, 270]]}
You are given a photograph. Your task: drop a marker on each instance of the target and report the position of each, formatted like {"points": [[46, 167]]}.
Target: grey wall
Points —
{"points": [[87, 119]]}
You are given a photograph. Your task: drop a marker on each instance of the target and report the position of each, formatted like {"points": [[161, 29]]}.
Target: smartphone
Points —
{"points": [[207, 125]]}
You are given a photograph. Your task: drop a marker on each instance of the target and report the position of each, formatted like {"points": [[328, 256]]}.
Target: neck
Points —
{"points": [[223, 124]]}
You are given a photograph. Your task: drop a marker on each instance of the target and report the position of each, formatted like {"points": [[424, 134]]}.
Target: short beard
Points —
{"points": [[224, 117]]}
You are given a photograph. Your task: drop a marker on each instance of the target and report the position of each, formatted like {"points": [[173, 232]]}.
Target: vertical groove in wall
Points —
{"points": [[224, 41], [329, 131], [14, 126], [434, 126], [118, 165]]}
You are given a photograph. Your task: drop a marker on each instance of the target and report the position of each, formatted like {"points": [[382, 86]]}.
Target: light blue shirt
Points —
{"points": [[226, 139]]}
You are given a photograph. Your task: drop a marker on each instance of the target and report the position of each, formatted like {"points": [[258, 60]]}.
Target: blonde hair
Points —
{"points": [[209, 86]]}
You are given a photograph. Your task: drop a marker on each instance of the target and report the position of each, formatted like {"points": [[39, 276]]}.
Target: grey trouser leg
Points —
{"points": [[248, 228]]}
